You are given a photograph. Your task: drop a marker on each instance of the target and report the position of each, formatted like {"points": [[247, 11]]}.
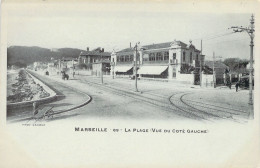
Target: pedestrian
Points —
{"points": [[237, 85], [230, 84], [73, 74]]}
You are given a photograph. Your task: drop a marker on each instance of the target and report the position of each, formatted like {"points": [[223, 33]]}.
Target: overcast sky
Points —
{"points": [[114, 26]]}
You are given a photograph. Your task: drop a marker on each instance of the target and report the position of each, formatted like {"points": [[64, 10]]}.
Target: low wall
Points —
{"points": [[154, 79], [38, 101], [207, 80], [83, 72], [187, 78]]}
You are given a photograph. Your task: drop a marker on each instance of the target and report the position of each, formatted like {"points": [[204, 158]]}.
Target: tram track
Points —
{"points": [[152, 101], [180, 105], [212, 114]]}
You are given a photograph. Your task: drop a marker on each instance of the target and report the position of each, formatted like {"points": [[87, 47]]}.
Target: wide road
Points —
{"points": [[156, 100], [114, 101]]}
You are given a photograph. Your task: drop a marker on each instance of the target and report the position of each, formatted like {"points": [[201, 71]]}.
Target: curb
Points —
{"points": [[29, 103], [62, 111]]}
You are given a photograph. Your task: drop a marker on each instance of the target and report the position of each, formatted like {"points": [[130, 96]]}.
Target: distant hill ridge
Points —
{"points": [[27, 55]]}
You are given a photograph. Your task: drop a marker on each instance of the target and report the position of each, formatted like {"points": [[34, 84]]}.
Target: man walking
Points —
{"points": [[237, 85]]}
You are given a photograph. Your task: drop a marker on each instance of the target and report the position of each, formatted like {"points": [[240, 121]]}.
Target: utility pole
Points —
{"points": [[113, 73], [101, 71], [200, 63], [250, 31], [135, 63], [214, 76]]}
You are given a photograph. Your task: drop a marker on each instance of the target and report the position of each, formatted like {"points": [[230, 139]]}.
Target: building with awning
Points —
{"points": [[122, 69], [161, 60], [153, 71]]}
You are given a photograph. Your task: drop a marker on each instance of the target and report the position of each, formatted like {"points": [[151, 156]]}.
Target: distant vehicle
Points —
{"points": [[244, 82], [64, 75]]}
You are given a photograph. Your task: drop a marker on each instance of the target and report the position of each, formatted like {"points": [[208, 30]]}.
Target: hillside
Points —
{"points": [[21, 55]]}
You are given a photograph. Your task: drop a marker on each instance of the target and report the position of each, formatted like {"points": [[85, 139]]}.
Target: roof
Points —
{"points": [[217, 64], [103, 61], [149, 47], [94, 53], [68, 58], [157, 46]]}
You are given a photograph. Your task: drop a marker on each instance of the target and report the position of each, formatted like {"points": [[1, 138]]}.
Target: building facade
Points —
{"points": [[94, 56], [164, 60]]}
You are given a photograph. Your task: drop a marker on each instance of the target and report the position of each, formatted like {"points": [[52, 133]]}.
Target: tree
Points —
{"points": [[235, 64], [187, 69]]}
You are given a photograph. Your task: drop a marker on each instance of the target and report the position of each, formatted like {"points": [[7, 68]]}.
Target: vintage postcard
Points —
{"points": [[129, 84]]}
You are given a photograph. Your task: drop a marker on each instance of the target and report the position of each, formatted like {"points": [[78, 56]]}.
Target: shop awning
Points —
{"points": [[152, 70], [122, 68]]}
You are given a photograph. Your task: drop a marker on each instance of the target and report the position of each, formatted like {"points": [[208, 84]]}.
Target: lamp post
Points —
{"points": [[214, 76], [250, 31], [200, 64], [135, 65], [113, 69], [101, 69]]}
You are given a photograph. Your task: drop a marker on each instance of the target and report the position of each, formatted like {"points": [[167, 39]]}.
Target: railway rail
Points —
{"points": [[183, 107], [175, 103]]}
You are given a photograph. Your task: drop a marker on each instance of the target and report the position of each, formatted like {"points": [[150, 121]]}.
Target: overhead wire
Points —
{"points": [[226, 41], [213, 36]]}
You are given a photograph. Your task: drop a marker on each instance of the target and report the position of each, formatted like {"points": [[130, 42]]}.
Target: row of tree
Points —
{"points": [[236, 65]]}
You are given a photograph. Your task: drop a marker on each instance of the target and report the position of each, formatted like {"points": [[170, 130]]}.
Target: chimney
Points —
{"points": [[130, 45], [102, 50], [87, 48]]}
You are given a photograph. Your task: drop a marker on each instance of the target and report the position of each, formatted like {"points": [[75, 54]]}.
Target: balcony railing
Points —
{"points": [[156, 62]]}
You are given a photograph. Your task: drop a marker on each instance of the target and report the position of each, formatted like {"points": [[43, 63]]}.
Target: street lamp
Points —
{"points": [[250, 31], [136, 49]]}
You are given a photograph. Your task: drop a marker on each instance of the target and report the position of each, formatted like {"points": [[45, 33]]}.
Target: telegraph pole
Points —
{"points": [[135, 62], [101, 70], [214, 77], [250, 31], [200, 63]]}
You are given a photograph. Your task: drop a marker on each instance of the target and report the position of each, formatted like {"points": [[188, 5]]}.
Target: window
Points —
{"points": [[174, 72], [174, 56], [197, 57], [184, 56], [112, 59], [145, 57], [122, 58], [190, 57], [131, 58], [159, 56], [117, 59], [152, 57], [127, 58], [166, 55]]}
